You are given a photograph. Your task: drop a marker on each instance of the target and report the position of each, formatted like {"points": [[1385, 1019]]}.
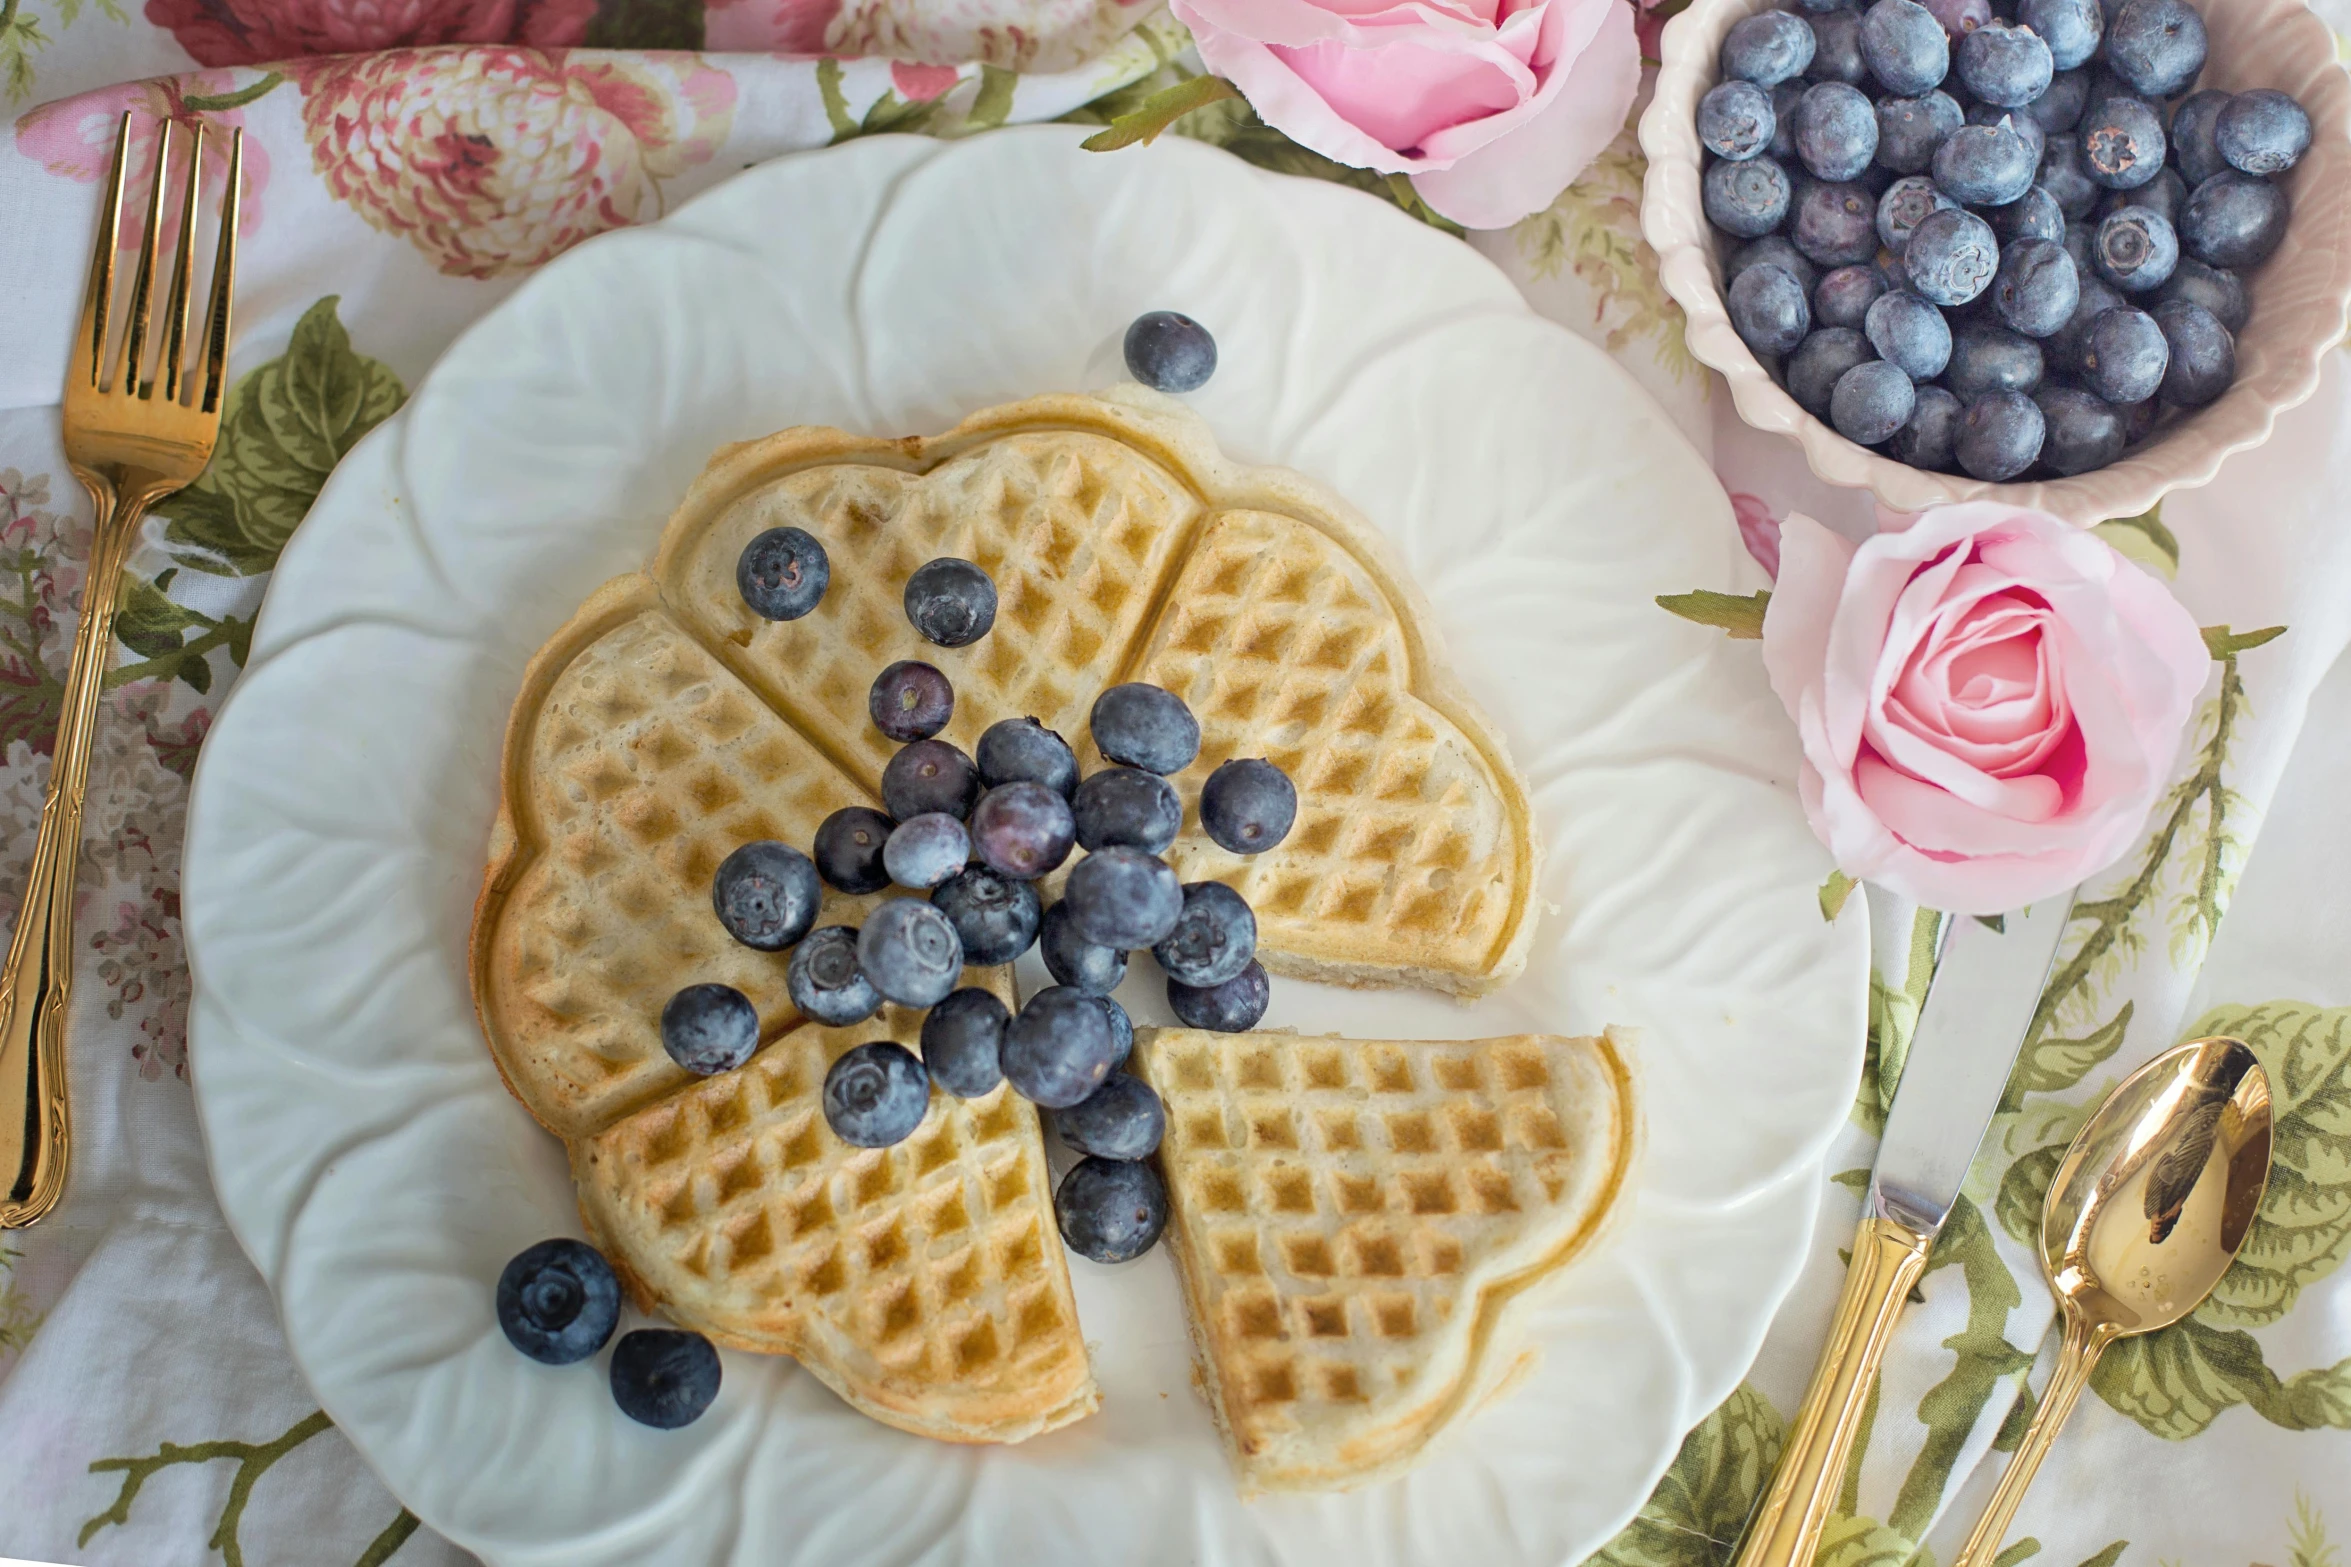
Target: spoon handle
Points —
{"points": [[2077, 1356]]}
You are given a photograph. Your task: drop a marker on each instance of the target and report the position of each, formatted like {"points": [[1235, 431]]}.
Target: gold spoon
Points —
{"points": [[2144, 1216]]}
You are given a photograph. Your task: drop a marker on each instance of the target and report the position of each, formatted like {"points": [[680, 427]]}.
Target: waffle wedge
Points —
{"points": [[1352, 1219]]}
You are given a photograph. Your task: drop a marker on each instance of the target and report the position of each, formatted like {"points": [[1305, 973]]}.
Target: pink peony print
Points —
{"points": [[248, 32], [1020, 35], [783, 26], [74, 138], [493, 161]]}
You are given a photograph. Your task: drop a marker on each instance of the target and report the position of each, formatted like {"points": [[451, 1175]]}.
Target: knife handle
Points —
{"points": [[1888, 1258]]}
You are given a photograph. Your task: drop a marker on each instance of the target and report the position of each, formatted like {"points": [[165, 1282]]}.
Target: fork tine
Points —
{"points": [[89, 344], [183, 268], [224, 273], [143, 287]]}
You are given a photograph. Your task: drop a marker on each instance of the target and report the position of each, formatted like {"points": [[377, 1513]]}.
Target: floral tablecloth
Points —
{"points": [[148, 1410]]}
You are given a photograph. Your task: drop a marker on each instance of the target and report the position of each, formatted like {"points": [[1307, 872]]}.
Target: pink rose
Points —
{"points": [[251, 32], [1493, 107], [1989, 701]]}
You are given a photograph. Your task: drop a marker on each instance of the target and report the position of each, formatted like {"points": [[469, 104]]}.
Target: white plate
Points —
{"points": [[379, 1174]]}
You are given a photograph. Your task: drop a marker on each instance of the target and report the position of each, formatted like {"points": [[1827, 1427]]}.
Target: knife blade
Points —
{"points": [[1978, 1006]]}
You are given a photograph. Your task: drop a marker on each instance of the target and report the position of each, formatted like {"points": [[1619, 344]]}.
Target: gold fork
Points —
{"points": [[132, 436]]}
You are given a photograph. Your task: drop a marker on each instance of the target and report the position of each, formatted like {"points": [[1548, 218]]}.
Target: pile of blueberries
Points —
{"points": [[1980, 235]]}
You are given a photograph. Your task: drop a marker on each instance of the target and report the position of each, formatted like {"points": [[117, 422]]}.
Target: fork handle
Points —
{"points": [[37, 982]]}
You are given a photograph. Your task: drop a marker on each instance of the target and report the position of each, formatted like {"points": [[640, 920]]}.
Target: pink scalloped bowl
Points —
{"points": [[2300, 295]]}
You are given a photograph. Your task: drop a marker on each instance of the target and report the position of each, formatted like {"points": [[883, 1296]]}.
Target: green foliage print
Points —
{"points": [[1853, 1540], [287, 424], [646, 24], [1985, 1362], [18, 1319], [2306, 1537], [1893, 1018], [1593, 230], [1694, 1516]]}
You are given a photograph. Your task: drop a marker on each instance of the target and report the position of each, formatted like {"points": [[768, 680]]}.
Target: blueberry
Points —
{"points": [[1784, 99], [2033, 215], [1124, 898], [2215, 288], [1814, 368], [664, 1378], [1902, 207], [1230, 1008], [951, 602], [2194, 145], [782, 573], [825, 982], [2066, 347], [1845, 295], [1248, 805], [2000, 435], [1931, 438], [1988, 358], [765, 894], [2005, 64], [1058, 1048], [995, 917], [2036, 288], [910, 701], [1735, 120], [2083, 429], [2166, 196], [1122, 1032], [1910, 129], [1773, 250], [2066, 178], [2135, 249], [1022, 829], [558, 1301], [2139, 419], [1836, 131], [2072, 29], [1113, 1210], [925, 850], [1951, 257], [1907, 49], [2123, 145], [1015, 750], [1910, 334], [876, 1094], [1169, 352], [1127, 807], [1960, 17], [1144, 726], [1768, 310], [1215, 937], [2233, 220], [2077, 245], [1074, 961], [961, 1040], [1746, 198], [1836, 224], [1992, 114], [1985, 165], [1123, 1119], [1836, 46], [2060, 108], [910, 951], [1766, 48], [2203, 355], [929, 775], [709, 1029], [849, 849], [2124, 356], [2157, 46], [1871, 402]]}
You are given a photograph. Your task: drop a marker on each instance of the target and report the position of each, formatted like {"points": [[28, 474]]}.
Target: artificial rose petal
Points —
{"points": [[1524, 172]]}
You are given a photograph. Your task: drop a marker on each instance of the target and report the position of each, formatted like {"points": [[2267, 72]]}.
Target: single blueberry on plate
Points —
{"points": [[925, 850], [1784, 98], [1871, 402], [1145, 726], [849, 849], [1074, 961], [2036, 288], [910, 952], [1023, 829], [1845, 295], [2203, 355], [1768, 309], [1233, 1007], [664, 1378], [1124, 898], [962, 1038], [1910, 129], [2124, 356], [1951, 257], [2066, 178], [2060, 108], [2065, 347], [1836, 46], [1985, 165], [1057, 1048], [995, 916], [2000, 435], [910, 700], [2071, 28], [951, 602], [1126, 806], [1960, 17], [782, 573], [2233, 220], [1169, 352], [2123, 145], [2004, 64], [1015, 750], [708, 1029], [1766, 48], [1774, 250], [2215, 288], [1986, 357], [1214, 938], [1836, 131], [1902, 207], [2135, 249], [1122, 1031], [558, 1301], [2083, 430], [1931, 438], [2033, 215], [766, 894], [1113, 1210], [1747, 198], [2194, 145], [826, 984], [929, 775], [1735, 120], [1123, 1119], [1835, 224], [1905, 47], [1248, 805], [1814, 368], [876, 1094], [1911, 334], [2157, 46]]}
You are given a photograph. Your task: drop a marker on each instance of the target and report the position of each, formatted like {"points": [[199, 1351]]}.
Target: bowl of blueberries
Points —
{"points": [[2068, 254]]}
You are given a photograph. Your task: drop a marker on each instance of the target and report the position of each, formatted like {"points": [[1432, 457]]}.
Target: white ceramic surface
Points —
{"points": [[380, 1176]]}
